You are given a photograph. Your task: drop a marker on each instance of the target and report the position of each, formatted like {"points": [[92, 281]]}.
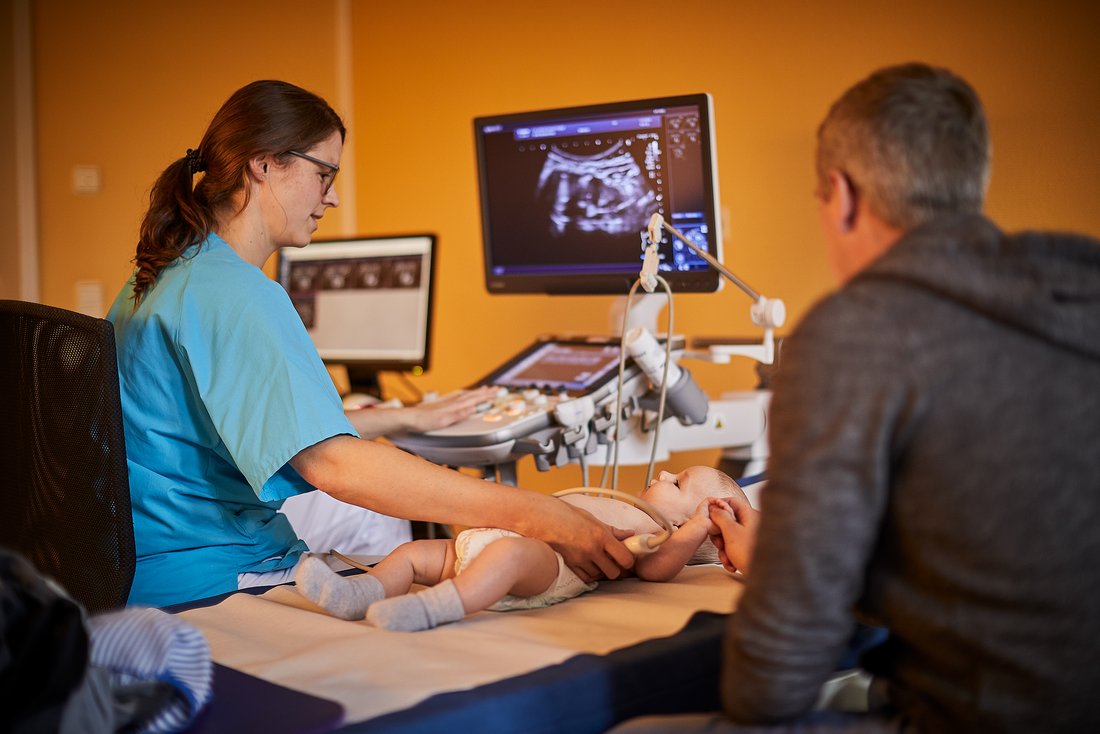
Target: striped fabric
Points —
{"points": [[145, 644]]}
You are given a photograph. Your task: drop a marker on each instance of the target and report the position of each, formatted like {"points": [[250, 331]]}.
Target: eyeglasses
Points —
{"points": [[327, 177]]}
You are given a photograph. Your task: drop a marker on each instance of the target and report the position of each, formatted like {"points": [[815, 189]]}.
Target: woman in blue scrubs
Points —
{"points": [[229, 410]]}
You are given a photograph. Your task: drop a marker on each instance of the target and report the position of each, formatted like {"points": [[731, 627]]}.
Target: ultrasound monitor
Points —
{"points": [[559, 365], [366, 302], [566, 193]]}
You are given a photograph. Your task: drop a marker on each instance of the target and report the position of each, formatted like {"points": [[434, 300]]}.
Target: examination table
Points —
{"points": [[626, 649]]}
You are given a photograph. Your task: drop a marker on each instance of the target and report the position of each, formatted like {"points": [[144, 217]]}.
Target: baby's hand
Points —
{"points": [[702, 514], [736, 533], [722, 505]]}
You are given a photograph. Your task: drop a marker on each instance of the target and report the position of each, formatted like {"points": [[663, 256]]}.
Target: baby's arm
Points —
{"points": [[672, 555]]}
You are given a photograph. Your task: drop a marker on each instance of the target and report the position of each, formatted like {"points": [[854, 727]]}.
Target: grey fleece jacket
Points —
{"points": [[936, 469]]}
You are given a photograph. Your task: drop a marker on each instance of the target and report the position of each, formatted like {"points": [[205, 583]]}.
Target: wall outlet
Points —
{"points": [[87, 180]]}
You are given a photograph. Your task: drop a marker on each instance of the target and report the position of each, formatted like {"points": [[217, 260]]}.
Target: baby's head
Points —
{"points": [[678, 495]]}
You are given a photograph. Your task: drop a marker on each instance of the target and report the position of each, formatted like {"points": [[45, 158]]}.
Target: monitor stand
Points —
{"points": [[645, 308], [364, 380]]}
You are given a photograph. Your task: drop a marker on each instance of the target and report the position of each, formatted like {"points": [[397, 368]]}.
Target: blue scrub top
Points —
{"points": [[221, 386]]}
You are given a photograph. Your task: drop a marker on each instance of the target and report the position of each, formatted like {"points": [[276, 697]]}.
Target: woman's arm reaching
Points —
{"points": [[388, 480]]}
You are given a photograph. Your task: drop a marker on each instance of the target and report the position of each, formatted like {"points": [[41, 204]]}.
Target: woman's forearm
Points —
{"points": [[387, 480], [393, 482]]}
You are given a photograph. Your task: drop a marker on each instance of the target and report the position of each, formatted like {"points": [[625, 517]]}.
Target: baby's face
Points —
{"points": [[677, 495]]}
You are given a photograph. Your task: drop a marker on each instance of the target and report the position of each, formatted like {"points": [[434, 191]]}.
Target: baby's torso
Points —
{"points": [[616, 513]]}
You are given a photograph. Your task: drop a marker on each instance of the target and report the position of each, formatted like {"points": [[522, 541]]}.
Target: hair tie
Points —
{"points": [[195, 163]]}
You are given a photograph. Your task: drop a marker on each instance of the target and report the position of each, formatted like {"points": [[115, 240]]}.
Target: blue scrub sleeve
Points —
{"points": [[265, 388]]}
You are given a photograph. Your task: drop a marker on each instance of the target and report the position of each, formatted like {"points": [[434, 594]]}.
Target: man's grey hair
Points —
{"points": [[912, 139]]}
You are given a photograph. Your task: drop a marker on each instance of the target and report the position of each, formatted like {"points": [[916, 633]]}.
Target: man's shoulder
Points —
{"points": [[849, 312], [858, 329]]}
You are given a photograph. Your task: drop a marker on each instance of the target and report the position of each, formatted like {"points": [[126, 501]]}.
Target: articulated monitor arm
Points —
{"points": [[767, 313]]}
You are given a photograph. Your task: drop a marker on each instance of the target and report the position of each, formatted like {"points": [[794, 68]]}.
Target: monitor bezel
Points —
{"points": [[704, 280], [363, 368]]}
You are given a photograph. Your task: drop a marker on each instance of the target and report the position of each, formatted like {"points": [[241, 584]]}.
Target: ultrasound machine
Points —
{"points": [[574, 201]]}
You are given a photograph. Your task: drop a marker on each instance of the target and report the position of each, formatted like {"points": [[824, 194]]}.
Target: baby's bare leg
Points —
{"points": [[519, 566], [509, 565], [417, 562]]}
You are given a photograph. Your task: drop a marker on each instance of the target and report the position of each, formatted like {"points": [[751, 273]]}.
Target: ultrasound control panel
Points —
{"points": [[554, 397]]}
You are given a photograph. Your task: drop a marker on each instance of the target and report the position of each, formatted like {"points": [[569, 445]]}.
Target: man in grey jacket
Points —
{"points": [[935, 446]]}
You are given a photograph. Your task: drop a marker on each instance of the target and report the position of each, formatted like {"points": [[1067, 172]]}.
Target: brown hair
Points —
{"points": [[912, 139], [263, 118]]}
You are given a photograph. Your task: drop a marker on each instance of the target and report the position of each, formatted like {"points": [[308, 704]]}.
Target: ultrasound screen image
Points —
{"points": [[572, 195], [605, 192], [580, 200]]}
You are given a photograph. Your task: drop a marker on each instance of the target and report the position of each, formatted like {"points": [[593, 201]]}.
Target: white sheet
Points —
{"points": [[283, 638], [325, 522]]}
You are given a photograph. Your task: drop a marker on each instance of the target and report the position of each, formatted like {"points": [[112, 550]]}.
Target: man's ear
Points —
{"points": [[844, 203], [258, 167]]}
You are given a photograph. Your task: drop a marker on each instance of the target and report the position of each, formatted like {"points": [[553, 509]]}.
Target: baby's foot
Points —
{"points": [[414, 612], [343, 597]]}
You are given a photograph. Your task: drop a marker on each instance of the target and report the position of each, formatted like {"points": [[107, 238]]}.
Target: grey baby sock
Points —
{"points": [[414, 612], [346, 598]]}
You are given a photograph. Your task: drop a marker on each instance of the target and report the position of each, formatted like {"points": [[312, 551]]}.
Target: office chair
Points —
{"points": [[66, 503]]}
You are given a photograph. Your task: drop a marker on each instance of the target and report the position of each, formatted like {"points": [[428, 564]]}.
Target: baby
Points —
{"points": [[487, 568]]}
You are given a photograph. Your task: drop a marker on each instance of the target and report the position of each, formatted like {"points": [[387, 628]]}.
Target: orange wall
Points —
{"points": [[422, 76], [128, 86], [131, 88]]}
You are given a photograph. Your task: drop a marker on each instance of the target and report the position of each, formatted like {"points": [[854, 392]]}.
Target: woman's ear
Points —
{"points": [[258, 167]]}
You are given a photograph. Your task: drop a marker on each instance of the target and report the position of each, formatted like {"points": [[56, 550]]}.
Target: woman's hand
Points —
{"points": [[593, 550], [735, 521], [372, 422], [445, 411]]}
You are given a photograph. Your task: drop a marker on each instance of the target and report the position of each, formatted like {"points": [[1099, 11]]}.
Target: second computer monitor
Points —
{"points": [[566, 193], [366, 302]]}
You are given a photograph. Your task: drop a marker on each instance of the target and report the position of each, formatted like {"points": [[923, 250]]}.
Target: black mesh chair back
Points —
{"points": [[67, 497]]}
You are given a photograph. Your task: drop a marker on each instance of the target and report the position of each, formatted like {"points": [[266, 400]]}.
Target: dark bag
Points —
{"points": [[43, 648]]}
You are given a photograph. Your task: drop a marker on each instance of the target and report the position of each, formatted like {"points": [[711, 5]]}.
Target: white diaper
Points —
{"points": [[567, 585]]}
